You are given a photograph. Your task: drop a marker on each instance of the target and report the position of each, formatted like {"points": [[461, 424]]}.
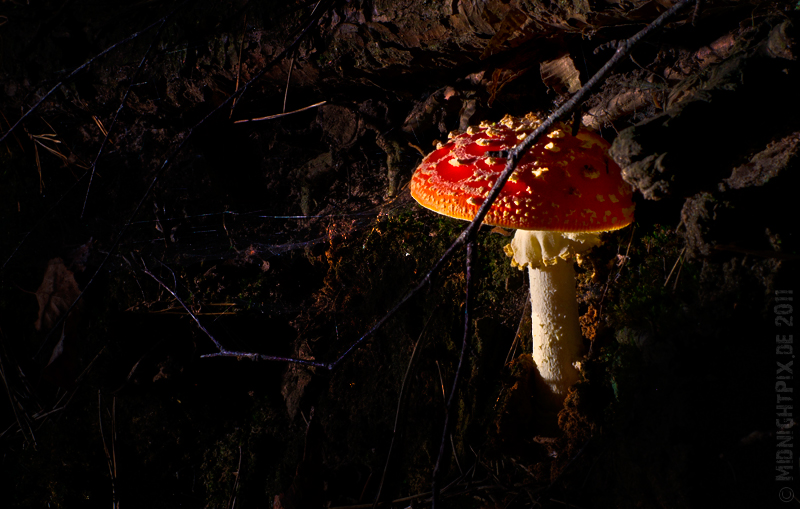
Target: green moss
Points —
{"points": [[646, 294]]}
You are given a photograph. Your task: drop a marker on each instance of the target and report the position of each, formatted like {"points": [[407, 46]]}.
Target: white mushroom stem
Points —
{"points": [[556, 332], [557, 341]]}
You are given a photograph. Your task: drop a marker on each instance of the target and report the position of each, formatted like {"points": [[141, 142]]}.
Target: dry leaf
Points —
{"points": [[56, 293], [500, 78], [561, 75], [509, 31]]}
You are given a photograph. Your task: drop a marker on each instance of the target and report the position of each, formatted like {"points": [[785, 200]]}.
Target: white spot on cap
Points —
{"points": [[494, 132]]}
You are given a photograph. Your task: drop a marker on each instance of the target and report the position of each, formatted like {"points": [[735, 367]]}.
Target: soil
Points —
{"points": [[237, 172]]}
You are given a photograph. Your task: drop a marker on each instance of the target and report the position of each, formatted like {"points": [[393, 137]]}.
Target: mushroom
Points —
{"points": [[564, 191]]}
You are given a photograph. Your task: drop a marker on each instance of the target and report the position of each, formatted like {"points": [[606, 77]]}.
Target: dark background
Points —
{"points": [[293, 236]]}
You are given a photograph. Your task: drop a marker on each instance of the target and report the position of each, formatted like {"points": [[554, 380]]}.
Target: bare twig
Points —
{"points": [[278, 115], [526, 312], [232, 498], [224, 352], [441, 383], [111, 457], [239, 66], [119, 109], [680, 258], [288, 80], [262, 357], [29, 436], [677, 278], [468, 298], [114, 444]]}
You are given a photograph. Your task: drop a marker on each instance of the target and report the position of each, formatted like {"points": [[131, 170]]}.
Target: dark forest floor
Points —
{"points": [[292, 236]]}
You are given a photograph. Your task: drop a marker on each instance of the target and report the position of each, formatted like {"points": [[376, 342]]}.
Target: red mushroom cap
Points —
{"points": [[563, 183]]}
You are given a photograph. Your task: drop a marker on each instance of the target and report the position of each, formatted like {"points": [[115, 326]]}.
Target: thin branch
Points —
{"points": [[270, 117], [239, 66], [680, 257], [238, 475], [119, 108], [111, 457], [468, 299], [526, 312], [262, 357], [224, 352], [288, 80], [114, 444], [14, 402]]}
